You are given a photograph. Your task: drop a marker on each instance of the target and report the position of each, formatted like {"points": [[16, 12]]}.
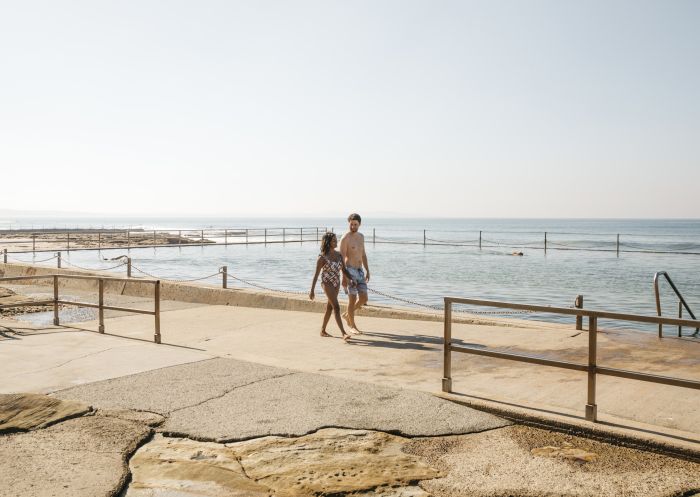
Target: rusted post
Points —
{"points": [[578, 303], [265, 236], [99, 239], [101, 303], [156, 305], [128, 239], [680, 316], [424, 238], [545, 242], [224, 276], [225, 237], [4, 256], [128, 267], [618, 245], [202, 240], [154, 237], [591, 408], [68, 240], [55, 301], [479, 239], [446, 349], [58, 260], [33, 242]]}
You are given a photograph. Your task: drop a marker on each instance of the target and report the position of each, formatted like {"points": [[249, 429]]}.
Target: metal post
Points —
{"points": [[128, 267], [68, 240], [58, 260], [545, 242], [101, 303], [618, 245], [225, 237], [179, 237], [33, 242], [156, 297], [284, 235], [680, 316], [55, 301], [224, 276], [317, 234], [301, 235], [479, 239], [246, 236], [265, 236], [99, 239], [374, 236], [591, 407], [128, 239], [4, 256], [578, 303], [424, 238], [154, 237], [447, 349], [202, 236]]}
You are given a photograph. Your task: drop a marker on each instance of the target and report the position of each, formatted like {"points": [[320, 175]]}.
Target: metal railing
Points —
{"points": [[94, 239], [681, 303], [591, 368], [100, 306]]}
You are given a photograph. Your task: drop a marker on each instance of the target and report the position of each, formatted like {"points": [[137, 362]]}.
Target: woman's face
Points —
{"points": [[334, 243]]}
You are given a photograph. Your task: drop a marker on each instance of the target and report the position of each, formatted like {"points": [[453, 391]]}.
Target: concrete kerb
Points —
{"points": [[202, 294], [635, 439]]}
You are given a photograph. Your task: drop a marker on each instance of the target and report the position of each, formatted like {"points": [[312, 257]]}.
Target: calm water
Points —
{"points": [[428, 273]]}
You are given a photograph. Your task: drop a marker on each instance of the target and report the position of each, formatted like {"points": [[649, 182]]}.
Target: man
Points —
{"points": [[352, 248]]}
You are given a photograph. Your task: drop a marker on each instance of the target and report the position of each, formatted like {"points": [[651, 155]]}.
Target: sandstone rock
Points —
{"points": [[329, 462], [26, 411], [81, 457], [5, 292]]}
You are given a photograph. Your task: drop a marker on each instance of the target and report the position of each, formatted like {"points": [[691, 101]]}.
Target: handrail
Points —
{"points": [[100, 306], [591, 368], [680, 297]]}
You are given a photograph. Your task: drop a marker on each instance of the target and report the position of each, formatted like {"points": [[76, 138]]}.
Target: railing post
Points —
{"points": [[317, 234], [99, 240], [4, 256], [179, 237], [33, 242], [578, 303], [202, 240], [224, 276], [128, 267], [374, 236], [68, 240], [156, 308], [591, 407], [265, 236], [545, 242], [225, 237], [56, 322], [284, 235], [128, 239], [618, 245], [101, 303], [154, 237], [58, 260], [680, 316], [246, 236], [301, 235], [479, 239], [424, 238], [447, 349]]}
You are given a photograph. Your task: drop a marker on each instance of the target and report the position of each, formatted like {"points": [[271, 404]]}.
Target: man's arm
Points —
{"points": [[364, 259]]}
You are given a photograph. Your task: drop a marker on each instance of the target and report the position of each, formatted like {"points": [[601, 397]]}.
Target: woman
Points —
{"points": [[330, 264]]}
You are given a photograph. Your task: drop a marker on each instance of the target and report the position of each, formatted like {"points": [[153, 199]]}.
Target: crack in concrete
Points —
{"points": [[68, 361], [231, 390]]}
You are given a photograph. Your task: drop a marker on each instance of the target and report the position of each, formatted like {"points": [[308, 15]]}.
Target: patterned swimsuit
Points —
{"points": [[330, 273]]}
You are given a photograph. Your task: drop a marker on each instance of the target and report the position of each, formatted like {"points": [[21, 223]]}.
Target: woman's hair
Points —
{"points": [[326, 242]]}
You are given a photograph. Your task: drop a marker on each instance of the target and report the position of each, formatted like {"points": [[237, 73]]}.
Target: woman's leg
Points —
{"points": [[332, 295], [326, 318]]}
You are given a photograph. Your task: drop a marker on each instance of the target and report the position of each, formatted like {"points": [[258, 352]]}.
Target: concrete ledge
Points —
{"points": [[204, 294]]}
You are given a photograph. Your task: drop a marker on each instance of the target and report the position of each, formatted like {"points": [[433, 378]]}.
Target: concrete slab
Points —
{"points": [[228, 400]]}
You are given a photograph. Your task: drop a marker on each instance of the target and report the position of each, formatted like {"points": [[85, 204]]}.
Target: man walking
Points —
{"points": [[352, 248]]}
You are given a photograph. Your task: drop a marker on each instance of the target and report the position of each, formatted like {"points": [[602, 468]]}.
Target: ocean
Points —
{"points": [[582, 258]]}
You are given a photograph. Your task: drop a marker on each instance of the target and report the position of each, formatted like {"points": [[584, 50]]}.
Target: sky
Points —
{"points": [[318, 108]]}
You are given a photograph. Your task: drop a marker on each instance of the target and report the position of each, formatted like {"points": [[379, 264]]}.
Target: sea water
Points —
{"points": [[581, 259]]}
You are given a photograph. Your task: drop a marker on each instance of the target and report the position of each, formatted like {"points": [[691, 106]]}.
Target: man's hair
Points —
{"points": [[355, 217]]}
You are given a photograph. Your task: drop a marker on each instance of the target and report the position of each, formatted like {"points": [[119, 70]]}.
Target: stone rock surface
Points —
{"points": [[500, 462], [328, 462], [26, 411], [81, 457]]}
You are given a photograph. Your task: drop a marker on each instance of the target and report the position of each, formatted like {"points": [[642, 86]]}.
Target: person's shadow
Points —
{"points": [[396, 341]]}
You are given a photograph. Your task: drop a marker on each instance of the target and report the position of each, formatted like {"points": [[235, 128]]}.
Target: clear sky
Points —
{"points": [[432, 108]]}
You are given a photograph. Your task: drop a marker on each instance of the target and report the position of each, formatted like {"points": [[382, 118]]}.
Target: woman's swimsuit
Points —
{"points": [[330, 273]]}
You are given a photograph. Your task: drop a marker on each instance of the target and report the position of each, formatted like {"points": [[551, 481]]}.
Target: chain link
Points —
{"points": [[262, 287]]}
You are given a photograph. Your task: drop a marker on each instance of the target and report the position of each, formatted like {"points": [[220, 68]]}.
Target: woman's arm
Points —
{"points": [[319, 265], [346, 274]]}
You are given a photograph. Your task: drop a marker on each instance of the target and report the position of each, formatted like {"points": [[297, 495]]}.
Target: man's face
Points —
{"points": [[354, 226]]}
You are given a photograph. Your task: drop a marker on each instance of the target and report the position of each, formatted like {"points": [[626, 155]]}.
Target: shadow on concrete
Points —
{"points": [[414, 342], [17, 332], [77, 329]]}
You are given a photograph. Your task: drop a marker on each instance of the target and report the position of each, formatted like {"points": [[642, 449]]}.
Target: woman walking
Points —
{"points": [[329, 265]]}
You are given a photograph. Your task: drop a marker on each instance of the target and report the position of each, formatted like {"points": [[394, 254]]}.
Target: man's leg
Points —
{"points": [[350, 315]]}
